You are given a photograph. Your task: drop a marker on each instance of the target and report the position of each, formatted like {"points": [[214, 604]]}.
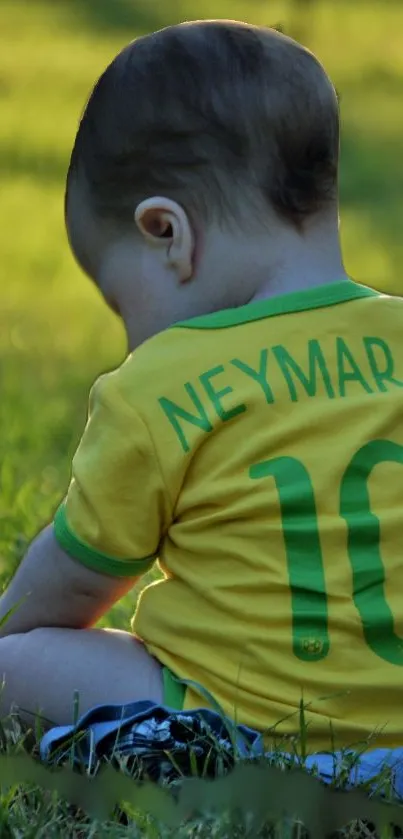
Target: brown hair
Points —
{"points": [[206, 113]]}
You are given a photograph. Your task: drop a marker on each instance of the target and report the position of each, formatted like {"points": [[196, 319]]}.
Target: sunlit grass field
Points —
{"points": [[56, 335]]}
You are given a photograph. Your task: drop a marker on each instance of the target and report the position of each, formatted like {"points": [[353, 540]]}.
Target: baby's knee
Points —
{"points": [[12, 641], [12, 663], [26, 648], [20, 648], [10, 647]]}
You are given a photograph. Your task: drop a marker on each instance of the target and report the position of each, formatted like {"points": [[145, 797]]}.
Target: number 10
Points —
{"points": [[304, 554]]}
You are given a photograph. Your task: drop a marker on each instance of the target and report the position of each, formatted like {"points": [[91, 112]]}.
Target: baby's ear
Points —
{"points": [[164, 224], [153, 219]]}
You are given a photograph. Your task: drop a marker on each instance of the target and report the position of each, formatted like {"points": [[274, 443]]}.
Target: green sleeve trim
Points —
{"points": [[96, 560], [296, 301]]}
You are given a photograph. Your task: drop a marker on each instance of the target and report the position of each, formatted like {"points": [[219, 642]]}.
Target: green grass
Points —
{"points": [[256, 800], [56, 336]]}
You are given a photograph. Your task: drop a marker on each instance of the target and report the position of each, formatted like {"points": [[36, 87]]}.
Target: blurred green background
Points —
{"points": [[56, 335]]}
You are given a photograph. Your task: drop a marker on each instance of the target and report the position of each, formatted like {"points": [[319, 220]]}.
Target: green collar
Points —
{"points": [[284, 304]]}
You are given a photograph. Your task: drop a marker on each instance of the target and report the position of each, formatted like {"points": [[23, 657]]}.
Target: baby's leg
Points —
{"points": [[43, 668]]}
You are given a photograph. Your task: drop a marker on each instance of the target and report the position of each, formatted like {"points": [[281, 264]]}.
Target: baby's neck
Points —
{"points": [[302, 262], [267, 262], [299, 281]]}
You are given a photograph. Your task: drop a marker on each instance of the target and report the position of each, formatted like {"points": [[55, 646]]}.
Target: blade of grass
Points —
{"points": [[12, 611]]}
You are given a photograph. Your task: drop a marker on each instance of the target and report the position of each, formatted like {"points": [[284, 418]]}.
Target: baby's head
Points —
{"points": [[203, 149]]}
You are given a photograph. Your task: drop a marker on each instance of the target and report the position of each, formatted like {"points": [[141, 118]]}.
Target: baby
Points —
{"points": [[252, 441]]}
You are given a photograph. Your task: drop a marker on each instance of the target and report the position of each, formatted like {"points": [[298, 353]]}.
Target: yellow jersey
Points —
{"points": [[257, 454]]}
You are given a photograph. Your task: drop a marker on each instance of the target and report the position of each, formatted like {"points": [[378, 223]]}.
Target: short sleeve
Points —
{"points": [[117, 507]]}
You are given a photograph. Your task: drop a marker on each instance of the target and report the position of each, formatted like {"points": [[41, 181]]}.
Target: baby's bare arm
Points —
{"points": [[55, 590]]}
